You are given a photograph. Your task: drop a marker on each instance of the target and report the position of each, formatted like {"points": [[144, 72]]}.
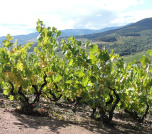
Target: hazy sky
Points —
{"points": [[20, 17]]}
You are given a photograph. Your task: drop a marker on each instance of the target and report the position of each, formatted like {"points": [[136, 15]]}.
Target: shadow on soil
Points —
{"points": [[55, 125], [122, 125]]}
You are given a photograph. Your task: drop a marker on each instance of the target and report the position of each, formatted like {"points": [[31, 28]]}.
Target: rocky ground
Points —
{"points": [[62, 120]]}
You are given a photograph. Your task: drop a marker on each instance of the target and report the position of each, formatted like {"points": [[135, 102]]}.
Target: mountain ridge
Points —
{"points": [[127, 40], [23, 39]]}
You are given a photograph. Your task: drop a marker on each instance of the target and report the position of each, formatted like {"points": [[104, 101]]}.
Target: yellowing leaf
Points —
{"points": [[19, 66], [49, 86], [11, 97], [5, 92], [80, 73], [36, 50]]}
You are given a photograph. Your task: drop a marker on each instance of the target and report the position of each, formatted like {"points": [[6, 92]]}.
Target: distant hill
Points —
{"points": [[74, 32], [23, 39], [136, 37]]}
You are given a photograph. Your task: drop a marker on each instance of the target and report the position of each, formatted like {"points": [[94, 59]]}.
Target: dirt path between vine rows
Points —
{"points": [[15, 123]]}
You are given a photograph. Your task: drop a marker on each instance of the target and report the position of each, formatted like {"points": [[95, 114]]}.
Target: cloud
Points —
{"points": [[133, 16], [96, 14], [15, 29], [96, 20]]}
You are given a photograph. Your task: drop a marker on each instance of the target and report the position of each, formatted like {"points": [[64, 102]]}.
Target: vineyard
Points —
{"points": [[99, 80]]}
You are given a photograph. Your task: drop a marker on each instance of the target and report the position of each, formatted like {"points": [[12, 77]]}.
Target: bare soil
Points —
{"points": [[62, 120]]}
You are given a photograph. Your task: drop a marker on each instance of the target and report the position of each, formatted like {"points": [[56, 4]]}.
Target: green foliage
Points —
{"points": [[99, 79]]}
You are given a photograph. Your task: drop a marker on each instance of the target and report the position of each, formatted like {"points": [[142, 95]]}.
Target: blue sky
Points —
{"points": [[20, 17]]}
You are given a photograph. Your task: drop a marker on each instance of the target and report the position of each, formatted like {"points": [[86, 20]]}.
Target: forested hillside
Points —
{"points": [[128, 40]]}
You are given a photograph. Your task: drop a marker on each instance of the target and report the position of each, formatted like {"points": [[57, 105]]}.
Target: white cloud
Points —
{"points": [[63, 14], [133, 16], [15, 29], [141, 2], [119, 4]]}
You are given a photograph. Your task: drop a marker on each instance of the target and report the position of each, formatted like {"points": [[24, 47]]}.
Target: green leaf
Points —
{"points": [[44, 31], [94, 48], [49, 34], [88, 44], [49, 28], [120, 63], [104, 56], [58, 33], [85, 80], [80, 73], [144, 60], [68, 81], [39, 22], [79, 43], [150, 52], [151, 70], [9, 37], [19, 66], [70, 62], [93, 79], [93, 57], [7, 43], [112, 51], [58, 78], [6, 92], [40, 39], [36, 50], [25, 83], [38, 29], [11, 97]]}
